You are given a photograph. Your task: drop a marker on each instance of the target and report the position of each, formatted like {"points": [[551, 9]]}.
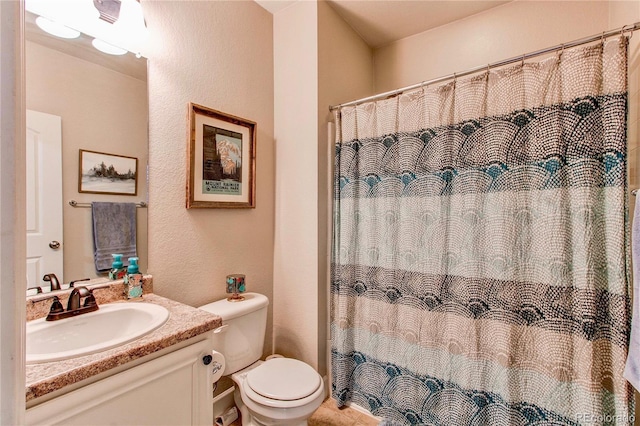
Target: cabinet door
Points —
{"points": [[174, 389]]}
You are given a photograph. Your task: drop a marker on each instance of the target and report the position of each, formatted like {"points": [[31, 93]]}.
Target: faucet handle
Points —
{"points": [[90, 300], [38, 289], [73, 283], [56, 306]]}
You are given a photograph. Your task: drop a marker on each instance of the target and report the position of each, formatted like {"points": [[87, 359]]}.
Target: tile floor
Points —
{"points": [[330, 415]]}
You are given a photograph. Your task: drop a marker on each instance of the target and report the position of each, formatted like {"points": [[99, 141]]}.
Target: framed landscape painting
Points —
{"points": [[102, 173], [221, 160]]}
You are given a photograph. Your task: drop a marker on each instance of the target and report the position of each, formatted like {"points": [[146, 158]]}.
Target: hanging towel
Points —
{"points": [[114, 231], [632, 368]]}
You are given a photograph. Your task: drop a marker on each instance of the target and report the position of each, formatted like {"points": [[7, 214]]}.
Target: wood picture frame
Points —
{"points": [[103, 173], [221, 160]]}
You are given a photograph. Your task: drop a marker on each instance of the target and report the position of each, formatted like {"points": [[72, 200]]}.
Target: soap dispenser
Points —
{"points": [[133, 280], [118, 270]]}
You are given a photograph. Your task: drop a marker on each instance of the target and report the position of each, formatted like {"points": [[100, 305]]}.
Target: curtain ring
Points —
{"points": [[522, 62], [624, 28], [560, 52]]}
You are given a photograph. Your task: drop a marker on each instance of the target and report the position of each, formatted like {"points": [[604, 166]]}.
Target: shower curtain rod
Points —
{"points": [[605, 34]]}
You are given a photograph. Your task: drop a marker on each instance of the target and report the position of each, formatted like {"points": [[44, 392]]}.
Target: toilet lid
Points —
{"points": [[284, 379]]}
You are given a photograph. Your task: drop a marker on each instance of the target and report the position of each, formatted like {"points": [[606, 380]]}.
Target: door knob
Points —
{"points": [[54, 244]]}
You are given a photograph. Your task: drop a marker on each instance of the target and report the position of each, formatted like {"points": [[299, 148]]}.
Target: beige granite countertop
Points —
{"points": [[184, 323]]}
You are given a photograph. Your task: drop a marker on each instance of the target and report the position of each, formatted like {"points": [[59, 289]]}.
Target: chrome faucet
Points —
{"points": [[73, 304]]}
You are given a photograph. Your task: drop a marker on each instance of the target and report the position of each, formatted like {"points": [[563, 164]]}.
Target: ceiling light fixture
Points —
{"points": [[55, 28], [119, 23]]}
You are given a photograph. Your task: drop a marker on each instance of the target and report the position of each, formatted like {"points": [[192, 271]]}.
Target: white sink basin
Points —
{"points": [[112, 325]]}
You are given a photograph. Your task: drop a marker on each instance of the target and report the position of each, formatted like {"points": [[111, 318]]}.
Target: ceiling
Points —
{"points": [[380, 22]]}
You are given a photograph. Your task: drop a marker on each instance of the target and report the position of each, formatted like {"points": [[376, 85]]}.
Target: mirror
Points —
{"points": [[103, 107]]}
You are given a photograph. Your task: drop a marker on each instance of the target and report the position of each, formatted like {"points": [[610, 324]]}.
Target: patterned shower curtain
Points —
{"points": [[479, 266]]}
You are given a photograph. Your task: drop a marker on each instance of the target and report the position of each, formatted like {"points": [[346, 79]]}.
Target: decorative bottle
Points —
{"points": [[133, 280], [118, 270]]}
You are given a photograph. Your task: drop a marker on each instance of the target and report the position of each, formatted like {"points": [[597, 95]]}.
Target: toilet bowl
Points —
{"points": [[279, 391]]}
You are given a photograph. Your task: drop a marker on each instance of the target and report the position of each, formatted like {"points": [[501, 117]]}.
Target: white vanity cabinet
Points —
{"points": [[171, 389]]}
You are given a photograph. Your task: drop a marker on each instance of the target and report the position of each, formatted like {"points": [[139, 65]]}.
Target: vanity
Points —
{"points": [[163, 377]]}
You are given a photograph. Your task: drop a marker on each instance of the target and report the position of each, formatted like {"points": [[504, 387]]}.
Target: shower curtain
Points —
{"points": [[479, 262]]}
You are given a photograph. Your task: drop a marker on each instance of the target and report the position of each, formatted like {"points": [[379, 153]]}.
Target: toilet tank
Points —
{"points": [[241, 337]]}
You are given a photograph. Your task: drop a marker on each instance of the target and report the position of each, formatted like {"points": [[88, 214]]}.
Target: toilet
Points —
{"points": [[278, 391]]}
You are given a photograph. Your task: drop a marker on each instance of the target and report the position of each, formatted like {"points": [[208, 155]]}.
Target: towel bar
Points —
{"points": [[74, 203]]}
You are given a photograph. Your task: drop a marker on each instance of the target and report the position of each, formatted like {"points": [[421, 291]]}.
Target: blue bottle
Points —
{"points": [[118, 270], [133, 267], [133, 279]]}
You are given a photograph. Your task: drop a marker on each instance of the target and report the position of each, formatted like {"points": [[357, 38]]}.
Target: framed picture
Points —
{"points": [[221, 160], [102, 173]]}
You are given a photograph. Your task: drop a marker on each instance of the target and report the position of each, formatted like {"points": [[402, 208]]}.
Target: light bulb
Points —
{"points": [[56, 29], [128, 32], [105, 47]]}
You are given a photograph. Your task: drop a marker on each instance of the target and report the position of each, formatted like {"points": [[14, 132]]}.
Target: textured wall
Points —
{"points": [[102, 110], [319, 60], [220, 55], [296, 239], [345, 72], [509, 30]]}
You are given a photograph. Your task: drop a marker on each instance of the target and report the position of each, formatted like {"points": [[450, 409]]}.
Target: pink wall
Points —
{"points": [[296, 240], [502, 32], [319, 60], [219, 55]]}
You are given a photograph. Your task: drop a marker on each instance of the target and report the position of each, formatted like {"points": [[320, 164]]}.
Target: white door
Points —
{"points": [[44, 197]]}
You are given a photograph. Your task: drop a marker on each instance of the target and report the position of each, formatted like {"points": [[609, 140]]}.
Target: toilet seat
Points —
{"points": [[284, 379], [283, 383]]}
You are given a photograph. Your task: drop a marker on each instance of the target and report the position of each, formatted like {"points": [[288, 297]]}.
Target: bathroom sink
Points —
{"points": [[112, 325]]}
